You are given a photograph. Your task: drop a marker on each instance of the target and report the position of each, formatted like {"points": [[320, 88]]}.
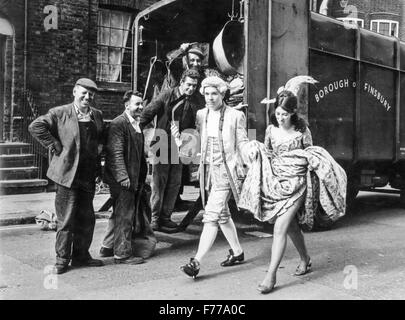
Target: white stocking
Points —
{"points": [[229, 231], [207, 239]]}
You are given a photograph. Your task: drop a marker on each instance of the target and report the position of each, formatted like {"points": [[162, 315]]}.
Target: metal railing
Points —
{"points": [[29, 112]]}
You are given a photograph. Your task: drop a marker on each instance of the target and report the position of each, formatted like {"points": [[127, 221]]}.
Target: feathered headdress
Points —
{"points": [[293, 85]]}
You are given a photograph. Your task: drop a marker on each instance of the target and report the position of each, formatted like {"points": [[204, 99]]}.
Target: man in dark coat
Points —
{"points": [[125, 173], [74, 135], [166, 166]]}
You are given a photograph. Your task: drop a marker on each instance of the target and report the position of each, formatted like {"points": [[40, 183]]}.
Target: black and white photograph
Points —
{"points": [[202, 155]]}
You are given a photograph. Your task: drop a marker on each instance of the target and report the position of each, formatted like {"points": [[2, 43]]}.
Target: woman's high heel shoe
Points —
{"points": [[301, 271], [263, 289], [266, 289]]}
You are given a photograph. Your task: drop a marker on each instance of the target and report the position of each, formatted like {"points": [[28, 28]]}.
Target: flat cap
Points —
{"points": [[87, 83], [196, 51]]}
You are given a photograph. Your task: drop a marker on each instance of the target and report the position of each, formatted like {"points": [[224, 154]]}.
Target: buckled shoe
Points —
{"points": [[192, 268], [231, 259]]}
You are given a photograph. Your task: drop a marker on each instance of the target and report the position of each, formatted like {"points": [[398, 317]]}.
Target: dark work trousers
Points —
{"points": [[166, 182], [76, 219], [124, 207], [184, 179], [74, 205]]}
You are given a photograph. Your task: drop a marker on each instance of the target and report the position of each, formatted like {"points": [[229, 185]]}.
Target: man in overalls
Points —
{"points": [[73, 133]]}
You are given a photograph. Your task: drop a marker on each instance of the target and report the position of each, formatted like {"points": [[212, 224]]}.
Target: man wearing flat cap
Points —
{"points": [[73, 134], [183, 58]]}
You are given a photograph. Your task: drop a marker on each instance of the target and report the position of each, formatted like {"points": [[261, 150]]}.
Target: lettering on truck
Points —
{"points": [[345, 83], [331, 87], [375, 93]]}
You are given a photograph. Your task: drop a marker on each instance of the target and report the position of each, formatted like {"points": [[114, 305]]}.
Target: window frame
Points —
{"points": [[390, 22], [123, 29]]}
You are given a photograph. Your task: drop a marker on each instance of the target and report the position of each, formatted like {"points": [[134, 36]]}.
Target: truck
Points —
{"points": [[355, 111]]}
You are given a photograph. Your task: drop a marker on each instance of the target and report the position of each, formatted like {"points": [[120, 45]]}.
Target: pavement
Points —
{"points": [[23, 208], [361, 257]]}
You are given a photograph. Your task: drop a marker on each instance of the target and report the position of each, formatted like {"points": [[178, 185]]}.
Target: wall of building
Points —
{"points": [[58, 56], [378, 9], [60, 49], [369, 10]]}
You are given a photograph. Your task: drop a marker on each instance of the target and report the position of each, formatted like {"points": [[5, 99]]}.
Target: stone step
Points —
{"points": [[23, 186], [16, 160], [19, 173], [14, 148]]}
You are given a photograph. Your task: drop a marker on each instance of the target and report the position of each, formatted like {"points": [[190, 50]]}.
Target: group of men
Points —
{"points": [[75, 136]]}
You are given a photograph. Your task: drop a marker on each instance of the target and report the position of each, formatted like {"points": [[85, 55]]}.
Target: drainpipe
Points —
{"points": [[88, 41], [269, 54], [25, 42], [402, 30]]}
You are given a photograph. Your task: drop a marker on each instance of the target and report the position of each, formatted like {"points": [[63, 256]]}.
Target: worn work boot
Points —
{"points": [[182, 227], [106, 252], [155, 226], [168, 224], [129, 260], [60, 268], [90, 262]]}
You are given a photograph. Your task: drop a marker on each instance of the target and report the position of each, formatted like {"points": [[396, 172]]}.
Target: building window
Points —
{"points": [[386, 27], [359, 22], [114, 46]]}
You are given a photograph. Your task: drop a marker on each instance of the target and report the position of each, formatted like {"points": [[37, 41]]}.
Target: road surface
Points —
{"points": [[362, 257]]}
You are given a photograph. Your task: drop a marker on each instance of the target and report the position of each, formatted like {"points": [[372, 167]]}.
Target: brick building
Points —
{"points": [[48, 44], [383, 16], [45, 46]]}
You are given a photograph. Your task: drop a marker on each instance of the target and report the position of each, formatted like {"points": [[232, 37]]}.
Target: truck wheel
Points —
{"points": [[321, 221], [352, 190], [402, 198]]}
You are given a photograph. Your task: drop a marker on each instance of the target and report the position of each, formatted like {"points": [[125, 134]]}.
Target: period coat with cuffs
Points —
{"points": [[61, 124], [235, 142]]}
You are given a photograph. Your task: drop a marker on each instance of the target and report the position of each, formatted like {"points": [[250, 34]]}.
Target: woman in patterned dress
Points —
{"points": [[287, 132]]}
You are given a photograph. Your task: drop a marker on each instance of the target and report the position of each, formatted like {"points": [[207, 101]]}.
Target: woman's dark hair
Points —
{"points": [[288, 101]]}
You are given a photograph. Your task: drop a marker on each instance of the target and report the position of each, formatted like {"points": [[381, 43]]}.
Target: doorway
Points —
{"points": [[6, 52]]}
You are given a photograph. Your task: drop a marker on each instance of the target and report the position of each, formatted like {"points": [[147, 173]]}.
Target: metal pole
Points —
{"points": [[269, 48], [134, 67], [25, 43]]}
